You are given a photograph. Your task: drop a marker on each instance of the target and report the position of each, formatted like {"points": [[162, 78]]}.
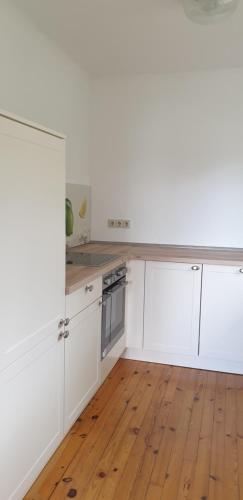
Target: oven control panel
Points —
{"points": [[114, 276]]}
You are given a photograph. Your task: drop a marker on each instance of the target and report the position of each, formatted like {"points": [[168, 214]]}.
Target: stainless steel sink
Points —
{"points": [[88, 259]]}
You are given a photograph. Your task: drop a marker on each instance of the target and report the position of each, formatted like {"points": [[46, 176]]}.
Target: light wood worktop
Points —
{"points": [[77, 276]]}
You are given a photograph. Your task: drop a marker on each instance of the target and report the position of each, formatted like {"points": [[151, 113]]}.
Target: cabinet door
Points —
{"points": [[31, 416], [135, 304], [172, 307], [221, 332], [32, 220], [82, 361]]}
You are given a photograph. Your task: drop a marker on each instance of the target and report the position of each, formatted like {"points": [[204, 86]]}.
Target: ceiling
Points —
{"points": [[137, 36]]}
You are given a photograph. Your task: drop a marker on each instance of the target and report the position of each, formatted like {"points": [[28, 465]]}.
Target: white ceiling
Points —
{"points": [[137, 36]]}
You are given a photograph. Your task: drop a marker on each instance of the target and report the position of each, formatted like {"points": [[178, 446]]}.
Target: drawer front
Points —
{"points": [[83, 297]]}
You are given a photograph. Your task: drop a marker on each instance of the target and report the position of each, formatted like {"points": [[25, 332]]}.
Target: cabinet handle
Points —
{"points": [[61, 323], [89, 288], [241, 270], [63, 335], [195, 268]]}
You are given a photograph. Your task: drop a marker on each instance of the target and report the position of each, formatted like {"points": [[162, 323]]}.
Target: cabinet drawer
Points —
{"points": [[83, 297]]}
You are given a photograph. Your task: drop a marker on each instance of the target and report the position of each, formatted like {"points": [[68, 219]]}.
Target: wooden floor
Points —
{"points": [[153, 432]]}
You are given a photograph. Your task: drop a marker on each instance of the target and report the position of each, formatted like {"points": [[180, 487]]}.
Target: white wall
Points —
{"points": [[167, 152], [39, 82]]}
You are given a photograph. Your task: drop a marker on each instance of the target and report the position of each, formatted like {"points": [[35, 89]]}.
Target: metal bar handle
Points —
{"points": [[119, 286]]}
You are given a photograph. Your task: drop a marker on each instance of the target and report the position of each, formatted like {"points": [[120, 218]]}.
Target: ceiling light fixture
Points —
{"points": [[209, 11]]}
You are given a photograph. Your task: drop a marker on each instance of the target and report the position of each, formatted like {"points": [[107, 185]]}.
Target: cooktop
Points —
{"points": [[88, 259]]}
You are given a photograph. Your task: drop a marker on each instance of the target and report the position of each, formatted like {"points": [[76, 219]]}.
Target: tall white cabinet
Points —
{"points": [[172, 307], [32, 298]]}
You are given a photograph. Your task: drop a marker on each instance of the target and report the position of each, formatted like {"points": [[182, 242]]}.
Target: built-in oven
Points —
{"points": [[113, 308]]}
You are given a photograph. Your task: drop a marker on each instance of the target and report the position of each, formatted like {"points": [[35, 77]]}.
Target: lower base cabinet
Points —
{"points": [[193, 316], [221, 333], [31, 416], [42, 394], [82, 361], [172, 307]]}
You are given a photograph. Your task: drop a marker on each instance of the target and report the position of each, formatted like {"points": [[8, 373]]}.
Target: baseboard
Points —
{"points": [[198, 362]]}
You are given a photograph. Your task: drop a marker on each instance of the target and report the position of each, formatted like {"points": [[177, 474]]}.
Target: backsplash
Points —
{"points": [[77, 214]]}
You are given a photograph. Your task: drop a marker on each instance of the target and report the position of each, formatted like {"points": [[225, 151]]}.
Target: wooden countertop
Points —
{"points": [[77, 276]]}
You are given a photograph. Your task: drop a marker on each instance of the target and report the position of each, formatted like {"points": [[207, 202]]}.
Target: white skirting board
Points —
{"points": [[112, 357], [199, 362]]}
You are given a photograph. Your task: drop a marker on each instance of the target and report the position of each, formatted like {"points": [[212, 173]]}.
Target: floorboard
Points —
{"points": [[159, 433]]}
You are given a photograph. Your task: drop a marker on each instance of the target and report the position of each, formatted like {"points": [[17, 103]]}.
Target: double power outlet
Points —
{"points": [[119, 223]]}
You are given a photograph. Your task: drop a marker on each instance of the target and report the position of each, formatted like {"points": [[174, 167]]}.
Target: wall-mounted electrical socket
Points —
{"points": [[126, 223], [111, 223], [119, 223]]}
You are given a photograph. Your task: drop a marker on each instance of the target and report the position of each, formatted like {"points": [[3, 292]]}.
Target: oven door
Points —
{"points": [[118, 295], [106, 324]]}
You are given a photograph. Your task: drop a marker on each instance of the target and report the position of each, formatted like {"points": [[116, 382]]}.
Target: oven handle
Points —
{"points": [[114, 289], [118, 286]]}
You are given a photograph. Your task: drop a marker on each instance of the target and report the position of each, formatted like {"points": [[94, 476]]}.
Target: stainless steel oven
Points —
{"points": [[113, 308]]}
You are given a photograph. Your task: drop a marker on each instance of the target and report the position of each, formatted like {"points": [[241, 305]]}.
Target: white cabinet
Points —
{"points": [[172, 307], [135, 304], [82, 361], [221, 333], [83, 297], [31, 416], [32, 298], [32, 220]]}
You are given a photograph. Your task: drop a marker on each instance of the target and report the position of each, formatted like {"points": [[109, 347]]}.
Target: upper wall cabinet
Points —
{"points": [[172, 307], [32, 192], [221, 334]]}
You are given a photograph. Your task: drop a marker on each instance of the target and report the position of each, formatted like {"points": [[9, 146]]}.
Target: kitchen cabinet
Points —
{"points": [[172, 307], [83, 297], [82, 361], [31, 417], [221, 332], [32, 191], [32, 298], [135, 304]]}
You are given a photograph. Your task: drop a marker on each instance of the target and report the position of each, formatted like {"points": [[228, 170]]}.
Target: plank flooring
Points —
{"points": [[152, 432]]}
